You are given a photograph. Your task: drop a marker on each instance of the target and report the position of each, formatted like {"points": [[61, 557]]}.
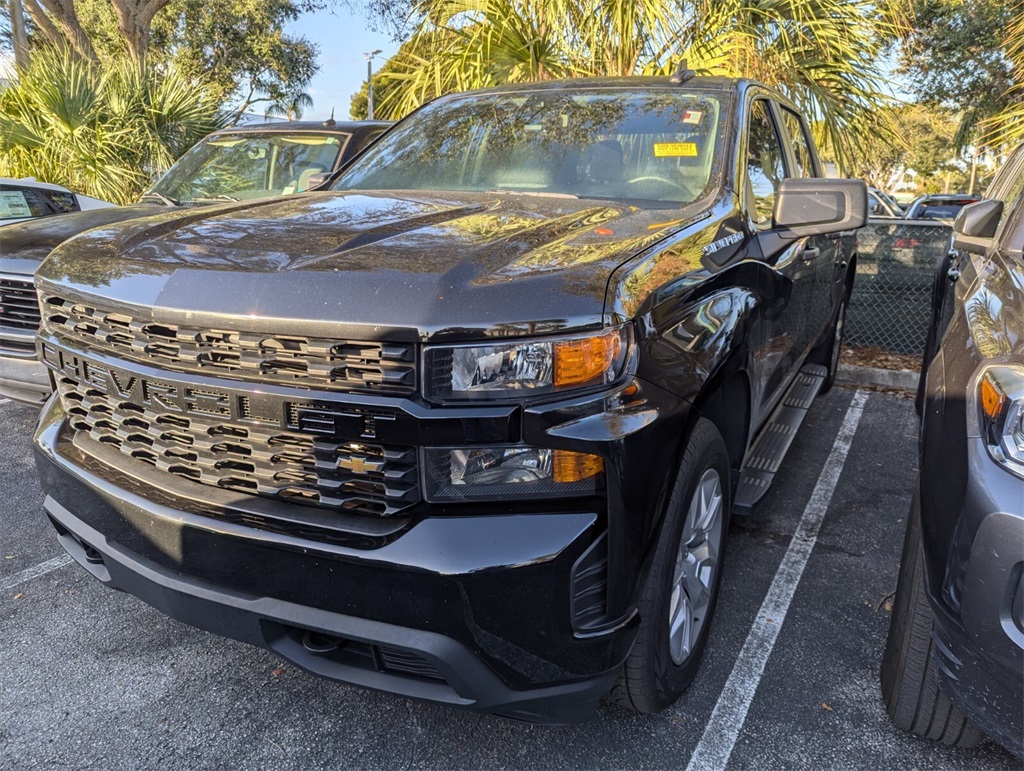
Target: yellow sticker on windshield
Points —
{"points": [[675, 150]]}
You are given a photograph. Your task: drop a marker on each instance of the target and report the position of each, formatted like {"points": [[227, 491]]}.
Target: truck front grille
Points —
{"points": [[358, 478], [288, 359], [19, 307]]}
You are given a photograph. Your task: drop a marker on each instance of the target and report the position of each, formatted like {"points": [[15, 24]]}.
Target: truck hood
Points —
{"points": [[368, 264], [24, 245]]}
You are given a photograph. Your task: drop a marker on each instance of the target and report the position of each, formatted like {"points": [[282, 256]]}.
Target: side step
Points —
{"points": [[765, 457]]}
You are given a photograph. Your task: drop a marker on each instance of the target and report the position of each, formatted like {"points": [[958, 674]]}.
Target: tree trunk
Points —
{"points": [[18, 37], [135, 21], [58, 22]]}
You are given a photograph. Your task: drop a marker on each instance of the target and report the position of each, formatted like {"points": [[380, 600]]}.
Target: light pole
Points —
{"points": [[369, 83]]}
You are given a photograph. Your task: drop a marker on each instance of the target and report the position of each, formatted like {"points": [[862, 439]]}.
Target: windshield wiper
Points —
{"points": [[534, 193], [218, 197], [164, 199]]}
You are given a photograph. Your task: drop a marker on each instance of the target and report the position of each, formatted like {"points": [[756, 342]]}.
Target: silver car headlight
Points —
{"points": [[521, 369]]}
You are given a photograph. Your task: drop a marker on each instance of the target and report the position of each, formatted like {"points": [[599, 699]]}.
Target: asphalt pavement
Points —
{"points": [[93, 678]]}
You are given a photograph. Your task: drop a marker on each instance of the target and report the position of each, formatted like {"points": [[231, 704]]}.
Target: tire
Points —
{"points": [[910, 683], [679, 586], [827, 354]]}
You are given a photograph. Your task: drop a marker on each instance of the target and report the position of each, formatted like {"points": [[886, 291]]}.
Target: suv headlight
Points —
{"points": [[1001, 412], [520, 369]]}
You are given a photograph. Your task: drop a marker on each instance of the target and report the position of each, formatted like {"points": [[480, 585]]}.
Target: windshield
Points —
{"points": [[651, 146], [246, 165]]}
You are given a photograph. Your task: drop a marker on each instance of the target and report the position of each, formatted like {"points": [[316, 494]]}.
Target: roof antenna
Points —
{"points": [[330, 122], [682, 74]]}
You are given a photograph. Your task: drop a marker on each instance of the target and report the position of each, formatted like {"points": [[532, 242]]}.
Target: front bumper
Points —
{"points": [[979, 629], [469, 610]]}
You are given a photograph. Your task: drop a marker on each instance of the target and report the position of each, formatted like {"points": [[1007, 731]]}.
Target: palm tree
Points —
{"points": [[101, 131], [824, 54], [1008, 126]]}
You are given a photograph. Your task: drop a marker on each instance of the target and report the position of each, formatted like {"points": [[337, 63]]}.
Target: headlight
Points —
{"points": [[464, 473], [525, 368], [1001, 412]]}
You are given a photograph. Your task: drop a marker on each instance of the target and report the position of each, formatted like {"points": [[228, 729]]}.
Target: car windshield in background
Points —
{"points": [[249, 165], [938, 210], [23, 202], [649, 146]]}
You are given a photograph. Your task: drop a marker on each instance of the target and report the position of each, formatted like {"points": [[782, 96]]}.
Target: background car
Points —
{"points": [[939, 207], [881, 205], [230, 165], [28, 199], [954, 661]]}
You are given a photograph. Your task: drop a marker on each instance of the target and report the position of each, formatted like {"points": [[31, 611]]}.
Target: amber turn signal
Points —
{"points": [[576, 466], [992, 398], [585, 360]]}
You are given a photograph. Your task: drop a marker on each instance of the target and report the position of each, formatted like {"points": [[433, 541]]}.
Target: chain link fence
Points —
{"points": [[891, 305]]}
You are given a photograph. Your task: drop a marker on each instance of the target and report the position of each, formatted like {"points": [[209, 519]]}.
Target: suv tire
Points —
{"points": [[910, 683], [679, 598]]}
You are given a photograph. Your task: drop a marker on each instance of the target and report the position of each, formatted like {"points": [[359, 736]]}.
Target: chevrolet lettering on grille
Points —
{"points": [[135, 389]]}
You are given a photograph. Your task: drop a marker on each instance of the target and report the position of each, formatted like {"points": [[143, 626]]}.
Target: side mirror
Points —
{"points": [[816, 207], [975, 226], [319, 179]]}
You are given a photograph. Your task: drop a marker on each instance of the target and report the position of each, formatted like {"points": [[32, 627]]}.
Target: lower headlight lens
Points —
{"points": [[1001, 413], [465, 473], [524, 368]]}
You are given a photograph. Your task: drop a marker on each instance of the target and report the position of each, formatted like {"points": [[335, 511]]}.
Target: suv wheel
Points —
{"points": [[679, 599], [910, 683]]}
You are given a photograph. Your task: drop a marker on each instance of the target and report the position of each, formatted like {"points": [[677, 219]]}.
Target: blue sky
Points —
{"points": [[343, 37]]}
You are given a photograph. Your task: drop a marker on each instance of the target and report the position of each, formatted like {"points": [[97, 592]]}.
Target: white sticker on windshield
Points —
{"points": [[13, 204]]}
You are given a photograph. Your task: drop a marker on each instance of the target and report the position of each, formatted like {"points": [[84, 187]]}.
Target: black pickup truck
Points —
{"points": [[469, 426]]}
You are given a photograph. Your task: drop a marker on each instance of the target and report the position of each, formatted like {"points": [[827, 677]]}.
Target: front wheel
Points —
{"points": [[682, 588], [910, 683]]}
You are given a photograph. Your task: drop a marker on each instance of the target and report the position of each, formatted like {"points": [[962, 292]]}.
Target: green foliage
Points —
{"points": [[955, 54], [824, 54], [101, 130], [238, 46], [241, 46], [1007, 126]]}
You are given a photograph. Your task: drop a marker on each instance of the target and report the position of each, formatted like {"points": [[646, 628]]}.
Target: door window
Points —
{"points": [[800, 143], [766, 166]]}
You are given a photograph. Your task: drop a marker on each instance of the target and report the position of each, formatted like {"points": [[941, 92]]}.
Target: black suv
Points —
{"points": [[469, 427], [954, 662], [237, 163]]}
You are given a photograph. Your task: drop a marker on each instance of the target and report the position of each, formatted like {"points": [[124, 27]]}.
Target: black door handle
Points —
{"points": [[810, 254]]}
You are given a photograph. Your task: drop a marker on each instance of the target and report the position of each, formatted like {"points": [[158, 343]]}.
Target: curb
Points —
{"points": [[904, 379]]}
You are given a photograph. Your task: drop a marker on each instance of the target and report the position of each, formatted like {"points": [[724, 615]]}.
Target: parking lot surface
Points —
{"points": [[93, 678]]}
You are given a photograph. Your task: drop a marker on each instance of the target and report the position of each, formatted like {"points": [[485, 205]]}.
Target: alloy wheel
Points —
{"points": [[696, 566]]}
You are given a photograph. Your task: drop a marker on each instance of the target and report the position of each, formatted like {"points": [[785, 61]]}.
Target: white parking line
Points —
{"points": [[726, 722], [4, 401], [6, 584]]}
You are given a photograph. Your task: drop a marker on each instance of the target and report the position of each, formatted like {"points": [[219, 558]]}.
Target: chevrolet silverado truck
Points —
{"points": [[469, 426], [236, 163], [954, 661]]}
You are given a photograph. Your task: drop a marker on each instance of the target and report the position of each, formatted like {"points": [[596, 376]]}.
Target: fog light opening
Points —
{"points": [[318, 643]]}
